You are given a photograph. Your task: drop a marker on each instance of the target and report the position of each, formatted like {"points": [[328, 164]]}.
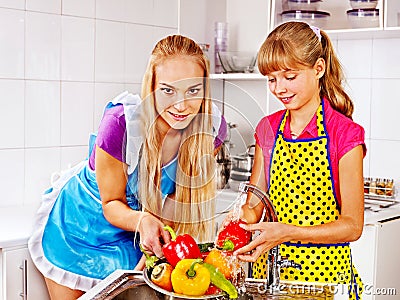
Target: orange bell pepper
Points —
{"points": [[218, 259]]}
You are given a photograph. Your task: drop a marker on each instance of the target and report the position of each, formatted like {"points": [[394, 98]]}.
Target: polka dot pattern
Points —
{"points": [[320, 263], [301, 186], [301, 190]]}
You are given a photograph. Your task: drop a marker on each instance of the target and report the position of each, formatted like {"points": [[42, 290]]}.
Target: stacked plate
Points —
{"points": [[307, 11], [363, 13]]}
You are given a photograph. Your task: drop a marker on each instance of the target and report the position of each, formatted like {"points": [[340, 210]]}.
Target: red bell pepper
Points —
{"points": [[180, 247], [213, 290], [232, 236]]}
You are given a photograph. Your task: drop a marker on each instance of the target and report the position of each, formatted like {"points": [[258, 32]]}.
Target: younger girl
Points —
{"points": [[309, 159]]}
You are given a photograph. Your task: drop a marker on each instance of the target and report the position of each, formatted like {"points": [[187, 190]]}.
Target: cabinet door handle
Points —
{"points": [[24, 268]]}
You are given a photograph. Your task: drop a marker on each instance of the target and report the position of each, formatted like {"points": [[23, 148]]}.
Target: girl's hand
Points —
{"points": [[152, 234], [271, 234]]}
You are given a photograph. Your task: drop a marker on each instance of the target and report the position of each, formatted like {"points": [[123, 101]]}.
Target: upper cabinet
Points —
{"points": [[340, 16], [249, 22], [392, 14]]}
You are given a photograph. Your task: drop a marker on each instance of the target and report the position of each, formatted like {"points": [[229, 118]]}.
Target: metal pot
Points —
{"points": [[242, 165], [243, 162], [223, 167]]}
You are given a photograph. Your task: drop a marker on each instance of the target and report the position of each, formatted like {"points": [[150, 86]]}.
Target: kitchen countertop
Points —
{"points": [[374, 218], [370, 217], [16, 224], [16, 221]]}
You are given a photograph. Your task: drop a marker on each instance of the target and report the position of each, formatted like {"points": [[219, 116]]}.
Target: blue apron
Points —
{"points": [[77, 237], [72, 243]]}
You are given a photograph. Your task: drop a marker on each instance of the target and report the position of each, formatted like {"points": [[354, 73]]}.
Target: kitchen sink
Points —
{"points": [[138, 292], [127, 285]]}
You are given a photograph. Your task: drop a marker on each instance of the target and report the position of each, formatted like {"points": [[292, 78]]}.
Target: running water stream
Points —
{"points": [[237, 205], [238, 270]]}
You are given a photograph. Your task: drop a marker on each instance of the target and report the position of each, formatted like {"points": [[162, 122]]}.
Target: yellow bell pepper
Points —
{"points": [[190, 278]]}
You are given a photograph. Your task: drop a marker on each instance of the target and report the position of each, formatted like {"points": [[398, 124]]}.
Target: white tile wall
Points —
{"points": [[43, 46], [76, 112], [12, 176], [77, 44], [71, 155], [161, 18], [373, 73], [42, 113], [135, 64], [81, 8], [40, 164], [384, 158], [245, 104], [360, 91], [385, 62], [60, 62], [110, 51], [19, 4], [357, 62], [12, 112], [385, 117], [115, 12], [143, 16], [12, 46], [46, 6]]}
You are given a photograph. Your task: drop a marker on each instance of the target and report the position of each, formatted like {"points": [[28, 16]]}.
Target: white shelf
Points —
{"points": [[365, 33], [238, 76]]}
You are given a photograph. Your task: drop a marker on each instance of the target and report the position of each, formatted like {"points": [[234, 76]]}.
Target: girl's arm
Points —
{"points": [[112, 179], [347, 228]]}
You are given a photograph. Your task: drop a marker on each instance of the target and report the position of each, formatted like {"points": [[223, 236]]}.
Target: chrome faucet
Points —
{"points": [[275, 261]]}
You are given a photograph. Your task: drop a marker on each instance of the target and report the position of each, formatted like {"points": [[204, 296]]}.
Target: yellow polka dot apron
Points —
{"points": [[302, 191]]}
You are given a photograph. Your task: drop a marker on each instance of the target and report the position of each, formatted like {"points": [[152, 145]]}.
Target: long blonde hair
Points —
{"points": [[195, 184], [294, 44]]}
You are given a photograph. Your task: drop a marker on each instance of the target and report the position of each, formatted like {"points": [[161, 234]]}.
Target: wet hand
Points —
{"points": [[152, 234], [270, 235]]}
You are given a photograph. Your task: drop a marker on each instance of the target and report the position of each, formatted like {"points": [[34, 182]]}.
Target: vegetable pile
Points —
{"points": [[194, 270]]}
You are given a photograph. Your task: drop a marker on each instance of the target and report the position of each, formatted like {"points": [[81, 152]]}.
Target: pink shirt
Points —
{"points": [[343, 133]]}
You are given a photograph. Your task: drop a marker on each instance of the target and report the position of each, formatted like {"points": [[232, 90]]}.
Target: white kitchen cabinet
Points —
{"points": [[338, 14], [392, 15], [339, 23], [19, 277], [376, 258]]}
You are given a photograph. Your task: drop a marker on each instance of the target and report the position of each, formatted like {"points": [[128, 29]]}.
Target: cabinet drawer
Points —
{"points": [[21, 280]]}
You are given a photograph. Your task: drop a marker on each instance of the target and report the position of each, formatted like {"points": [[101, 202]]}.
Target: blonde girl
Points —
{"points": [[150, 164]]}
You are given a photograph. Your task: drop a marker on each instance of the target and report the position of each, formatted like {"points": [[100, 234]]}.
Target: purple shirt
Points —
{"points": [[111, 134], [344, 135]]}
